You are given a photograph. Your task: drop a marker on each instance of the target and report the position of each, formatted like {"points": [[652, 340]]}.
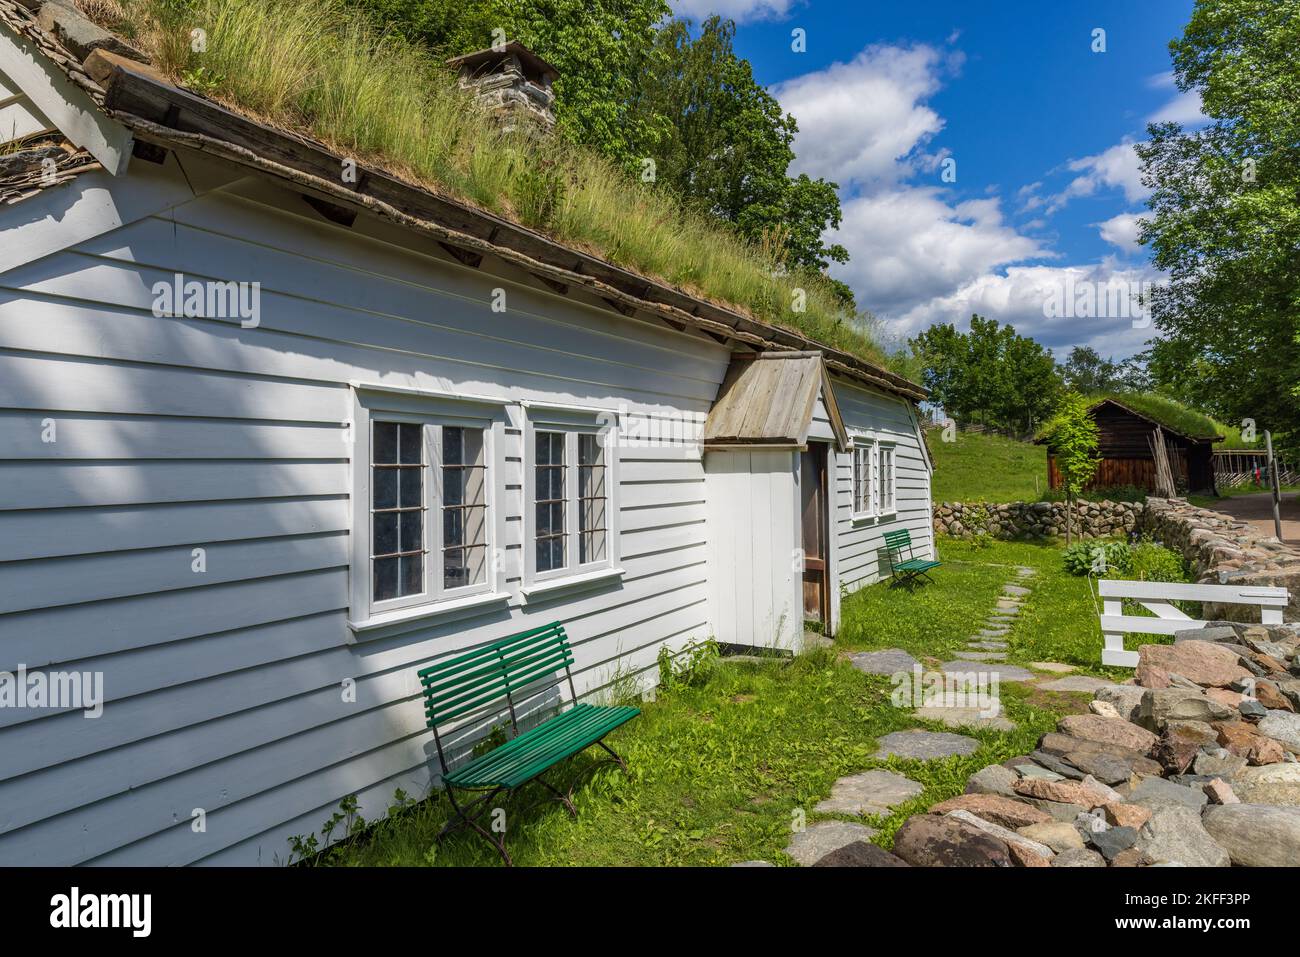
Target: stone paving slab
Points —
{"points": [[993, 632], [1024, 572], [988, 645], [966, 718], [981, 656], [925, 745], [1005, 672], [1007, 608], [1075, 683], [816, 841], [1057, 667], [1016, 590], [887, 662], [871, 792]]}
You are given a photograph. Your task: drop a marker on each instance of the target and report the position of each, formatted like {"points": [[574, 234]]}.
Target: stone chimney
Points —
{"points": [[511, 82]]}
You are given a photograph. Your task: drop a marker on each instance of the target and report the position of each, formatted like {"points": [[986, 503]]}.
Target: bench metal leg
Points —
{"points": [[565, 799], [613, 755], [468, 819]]}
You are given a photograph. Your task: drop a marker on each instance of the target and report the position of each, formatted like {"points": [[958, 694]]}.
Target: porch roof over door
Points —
{"points": [[768, 399]]}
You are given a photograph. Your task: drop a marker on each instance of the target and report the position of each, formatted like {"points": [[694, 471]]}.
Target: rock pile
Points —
{"points": [[1194, 763], [1036, 520], [1223, 550]]}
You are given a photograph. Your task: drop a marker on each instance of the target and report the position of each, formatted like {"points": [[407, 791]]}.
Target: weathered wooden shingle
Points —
{"points": [[768, 399]]}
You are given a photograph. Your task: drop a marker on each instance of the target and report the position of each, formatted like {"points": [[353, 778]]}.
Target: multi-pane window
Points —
{"points": [[571, 505], [886, 479], [861, 480], [464, 507], [551, 499], [591, 499], [429, 520], [397, 510]]}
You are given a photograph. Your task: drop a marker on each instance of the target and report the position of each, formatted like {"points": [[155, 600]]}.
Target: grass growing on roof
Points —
{"points": [[311, 66]]}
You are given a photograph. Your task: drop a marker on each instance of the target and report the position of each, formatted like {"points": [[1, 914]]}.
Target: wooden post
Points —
{"points": [[1274, 484]]}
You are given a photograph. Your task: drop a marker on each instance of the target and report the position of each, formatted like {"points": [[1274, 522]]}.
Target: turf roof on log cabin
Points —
{"points": [[161, 115]]}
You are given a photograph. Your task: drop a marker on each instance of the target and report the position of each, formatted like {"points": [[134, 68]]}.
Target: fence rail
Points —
{"points": [[1157, 597]]}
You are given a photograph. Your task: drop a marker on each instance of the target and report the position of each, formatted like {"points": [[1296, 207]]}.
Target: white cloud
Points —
{"points": [[918, 255], [909, 245], [1122, 232], [1117, 167], [1018, 298], [1184, 108], [739, 10], [865, 121]]}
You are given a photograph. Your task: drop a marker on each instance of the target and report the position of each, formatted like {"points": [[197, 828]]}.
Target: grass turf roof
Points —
{"points": [[1167, 412], [310, 67]]}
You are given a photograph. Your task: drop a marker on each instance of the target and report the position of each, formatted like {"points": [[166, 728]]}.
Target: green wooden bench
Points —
{"points": [[905, 568], [499, 677]]}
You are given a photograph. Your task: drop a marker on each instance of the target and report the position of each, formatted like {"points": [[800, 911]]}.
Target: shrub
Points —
{"points": [[1099, 558]]}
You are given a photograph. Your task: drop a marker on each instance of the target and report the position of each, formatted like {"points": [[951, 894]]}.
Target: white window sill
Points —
{"points": [[394, 622], [863, 518], [544, 589], [892, 513]]}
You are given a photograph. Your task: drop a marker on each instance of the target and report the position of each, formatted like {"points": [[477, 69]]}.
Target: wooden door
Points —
{"points": [[815, 538]]}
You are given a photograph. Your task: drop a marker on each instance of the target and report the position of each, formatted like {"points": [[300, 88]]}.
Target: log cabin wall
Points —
{"points": [[1123, 444]]}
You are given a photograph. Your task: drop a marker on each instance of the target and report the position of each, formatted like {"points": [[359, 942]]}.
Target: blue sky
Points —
{"points": [[1039, 126]]}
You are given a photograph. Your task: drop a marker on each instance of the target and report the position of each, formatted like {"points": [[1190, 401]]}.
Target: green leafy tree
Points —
{"points": [[1087, 373], [727, 144], [1226, 223], [990, 375], [1073, 438]]}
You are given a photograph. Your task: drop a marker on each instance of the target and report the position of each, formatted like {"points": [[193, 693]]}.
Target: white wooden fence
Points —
{"points": [[1157, 596]]}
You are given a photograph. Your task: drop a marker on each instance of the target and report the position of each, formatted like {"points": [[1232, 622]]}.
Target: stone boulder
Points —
{"points": [[1092, 727], [1088, 793], [861, 854], [1240, 738], [994, 779], [1163, 705], [930, 840], [1277, 784], [1058, 835], [1256, 835], [1202, 662], [1174, 835], [1284, 728], [1004, 811]]}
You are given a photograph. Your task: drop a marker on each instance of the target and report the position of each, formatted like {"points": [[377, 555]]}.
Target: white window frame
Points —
{"points": [[571, 422], [432, 411], [862, 445], [878, 485]]}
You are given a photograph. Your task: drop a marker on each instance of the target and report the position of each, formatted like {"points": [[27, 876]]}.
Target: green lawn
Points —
{"points": [[986, 468], [721, 768]]}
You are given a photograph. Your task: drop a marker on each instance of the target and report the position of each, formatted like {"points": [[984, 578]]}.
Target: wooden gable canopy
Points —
{"points": [[767, 399]]}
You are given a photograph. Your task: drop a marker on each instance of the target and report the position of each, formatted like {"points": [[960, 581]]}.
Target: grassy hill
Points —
{"points": [[986, 468]]}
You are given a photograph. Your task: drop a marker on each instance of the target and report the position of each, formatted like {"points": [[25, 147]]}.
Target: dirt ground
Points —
{"points": [[1258, 510]]}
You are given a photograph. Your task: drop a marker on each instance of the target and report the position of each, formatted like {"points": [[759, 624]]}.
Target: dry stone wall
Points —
{"points": [[1036, 520]]}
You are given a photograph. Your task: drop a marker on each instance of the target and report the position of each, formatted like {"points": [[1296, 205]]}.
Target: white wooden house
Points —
{"points": [[268, 443]]}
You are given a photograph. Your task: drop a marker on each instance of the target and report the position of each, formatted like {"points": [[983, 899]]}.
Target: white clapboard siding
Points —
{"points": [[859, 543], [127, 440]]}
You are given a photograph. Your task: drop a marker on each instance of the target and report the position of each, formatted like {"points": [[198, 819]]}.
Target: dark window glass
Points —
{"points": [[549, 480], [397, 507]]}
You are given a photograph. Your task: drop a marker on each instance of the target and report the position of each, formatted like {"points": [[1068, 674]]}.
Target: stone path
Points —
{"points": [[887, 662], [877, 792], [924, 745], [871, 792]]}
